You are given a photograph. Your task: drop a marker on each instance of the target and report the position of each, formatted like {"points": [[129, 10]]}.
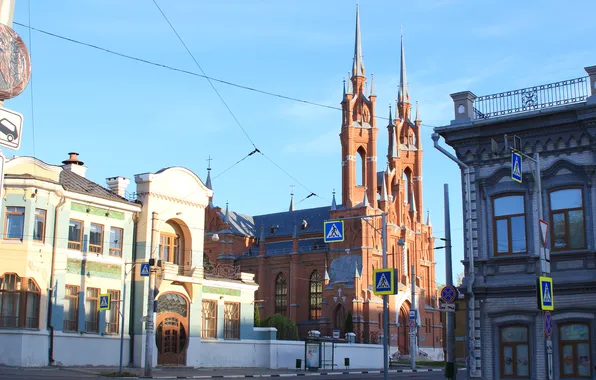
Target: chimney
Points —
{"points": [[118, 185], [74, 165]]}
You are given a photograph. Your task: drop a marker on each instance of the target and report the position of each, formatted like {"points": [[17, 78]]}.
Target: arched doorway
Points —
{"points": [[171, 335], [339, 317], [403, 337]]}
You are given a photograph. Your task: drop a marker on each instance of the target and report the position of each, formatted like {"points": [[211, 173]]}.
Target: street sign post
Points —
{"points": [[334, 231], [145, 270], [516, 167], [104, 301], [385, 281], [548, 324], [11, 125], [546, 297]]}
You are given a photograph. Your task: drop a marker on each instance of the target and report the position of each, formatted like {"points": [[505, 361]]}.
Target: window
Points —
{"points": [[574, 350], [509, 220], [75, 235], [19, 302], [515, 352], [281, 295], [96, 238], [567, 219], [14, 223], [209, 311], [113, 315], [169, 248], [315, 296], [116, 241], [39, 227], [71, 308], [231, 320], [91, 310], [360, 167]]}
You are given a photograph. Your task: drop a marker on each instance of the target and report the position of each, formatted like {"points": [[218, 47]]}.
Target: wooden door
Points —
{"points": [[171, 341]]}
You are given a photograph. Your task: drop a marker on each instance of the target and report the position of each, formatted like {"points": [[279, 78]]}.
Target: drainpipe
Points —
{"points": [[131, 331], [471, 270], [52, 275]]}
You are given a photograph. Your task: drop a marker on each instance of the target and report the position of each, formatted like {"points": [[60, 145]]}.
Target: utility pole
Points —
{"points": [[414, 328], [450, 365], [385, 301], [150, 336]]}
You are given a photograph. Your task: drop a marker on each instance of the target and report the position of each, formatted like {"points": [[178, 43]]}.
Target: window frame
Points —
{"points": [[574, 344], [565, 212], [92, 326], [315, 307], [112, 316], [73, 244], [508, 218], [22, 293], [116, 252], [231, 320], [281, 294], [209, 331], [96, 248], [173, 245], [43, 229], [6, 216], [71, 296], [502, 346]]}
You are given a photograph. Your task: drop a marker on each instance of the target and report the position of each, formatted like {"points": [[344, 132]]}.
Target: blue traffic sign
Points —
{"points": [[516, 167], [449, 293], [145, 269], [548, 323], [547, 296], [334, 231], [385, 281], [104, 302]]}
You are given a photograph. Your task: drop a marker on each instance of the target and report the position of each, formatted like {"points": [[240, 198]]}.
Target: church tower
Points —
{"points": [[358, 135]]}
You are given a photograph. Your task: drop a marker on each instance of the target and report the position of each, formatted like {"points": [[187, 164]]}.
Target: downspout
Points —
{"points": [[52, 275], [471, 270], [131, 331]]}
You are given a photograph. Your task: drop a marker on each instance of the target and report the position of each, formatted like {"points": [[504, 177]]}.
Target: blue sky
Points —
{"points": [[126, 117]]}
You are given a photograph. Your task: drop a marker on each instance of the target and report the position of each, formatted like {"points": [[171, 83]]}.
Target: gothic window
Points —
{"points": [[366, 115], [361, 167], [515, 351], [567, 219], [19, 302], [406, 176], [315, 296], [281, 295], [509, 224], [172, 303]]}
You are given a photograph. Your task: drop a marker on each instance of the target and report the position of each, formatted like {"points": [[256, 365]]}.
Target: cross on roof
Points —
{"points": [[209, 160]]}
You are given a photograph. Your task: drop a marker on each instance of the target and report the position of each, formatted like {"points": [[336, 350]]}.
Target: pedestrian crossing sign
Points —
{"points": [[334, 231], [547, 295], [104, 301], [516, 167], [385, 281]]}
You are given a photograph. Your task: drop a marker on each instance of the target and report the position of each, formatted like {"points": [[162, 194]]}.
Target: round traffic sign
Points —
{"points": [[15, 64], [449, 293], [548, 323]]}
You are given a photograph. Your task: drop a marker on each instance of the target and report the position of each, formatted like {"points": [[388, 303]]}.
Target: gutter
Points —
{"points": [[471, 268], [52, 275], [131, 330]]}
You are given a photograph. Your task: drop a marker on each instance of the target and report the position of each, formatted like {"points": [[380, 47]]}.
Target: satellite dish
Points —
{"points": [[15, 64]]}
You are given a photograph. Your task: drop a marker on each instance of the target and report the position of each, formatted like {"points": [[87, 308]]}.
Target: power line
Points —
{"points": [[164, 66]]}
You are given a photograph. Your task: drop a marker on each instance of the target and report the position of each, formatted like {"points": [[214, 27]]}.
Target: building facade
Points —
{"points": [[319, 285], [506, 326]]}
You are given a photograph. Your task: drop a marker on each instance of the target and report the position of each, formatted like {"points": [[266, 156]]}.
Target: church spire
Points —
{"points": [[403, 95], [358, 67], [208, 184], [428, 223], [333, 203], [292, 201], [227, 215]]}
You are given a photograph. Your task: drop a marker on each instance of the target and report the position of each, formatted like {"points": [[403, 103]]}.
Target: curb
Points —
{"points": [[335, 373]]}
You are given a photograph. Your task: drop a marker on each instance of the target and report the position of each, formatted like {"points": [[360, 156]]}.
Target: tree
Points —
{"points": [[286, 329], [257, 317], [459, 279], [349, 325]]}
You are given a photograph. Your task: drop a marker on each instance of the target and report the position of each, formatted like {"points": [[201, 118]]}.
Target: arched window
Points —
{"points": [[315, 296], [281, 295], [361, 167], [171, 247], [406, 182], [19, 302]]}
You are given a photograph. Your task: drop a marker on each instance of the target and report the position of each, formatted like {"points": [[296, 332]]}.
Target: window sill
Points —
{"points": [[12, 241], [19, 328]]}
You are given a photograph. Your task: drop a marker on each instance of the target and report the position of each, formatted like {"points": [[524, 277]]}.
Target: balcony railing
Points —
{"points": [[532, 98]]}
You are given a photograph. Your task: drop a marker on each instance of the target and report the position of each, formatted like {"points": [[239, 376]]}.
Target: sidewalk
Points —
{"points": [[210, 373]]}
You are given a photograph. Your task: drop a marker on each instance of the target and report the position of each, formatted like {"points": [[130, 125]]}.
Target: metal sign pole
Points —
{"points": [[385, 302]]}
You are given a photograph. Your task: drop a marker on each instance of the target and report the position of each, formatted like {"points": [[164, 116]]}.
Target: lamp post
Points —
{"points": [[123, 311], [385, 297]]}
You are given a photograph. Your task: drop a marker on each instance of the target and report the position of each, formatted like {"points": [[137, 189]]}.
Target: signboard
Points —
{"points": [[385, 281], [11, 125], [548, 324], [335, 334], [448, 307], [543, 232], [104, 302], [449, 293], [15, 63], [412, 314], [1, 178], [546, 297], [145, 270], [516, 167], [334, 231]]}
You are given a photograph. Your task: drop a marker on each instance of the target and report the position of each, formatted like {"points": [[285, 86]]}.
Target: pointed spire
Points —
{"points": [[365, 200], [417, 111], [394, 147], [428, 223], [358, 67], [292, 200], [390, 116], [333, 203], [412, 202], [262, 239], [403, 95], [295, 232], [372, 85], [356, 273], [344, 97], [349, 85], [208, 184], [327, 278], [227, 215], [384, 190]]}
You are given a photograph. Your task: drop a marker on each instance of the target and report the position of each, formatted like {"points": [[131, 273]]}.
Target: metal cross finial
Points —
{"points": [[209, 161], [401, 28], [292, 186]]}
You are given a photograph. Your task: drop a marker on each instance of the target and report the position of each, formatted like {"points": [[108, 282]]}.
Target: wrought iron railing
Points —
{"points": [[532, 98]]}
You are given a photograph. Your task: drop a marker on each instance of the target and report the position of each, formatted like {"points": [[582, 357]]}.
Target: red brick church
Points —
{"points": [[316, 284]]}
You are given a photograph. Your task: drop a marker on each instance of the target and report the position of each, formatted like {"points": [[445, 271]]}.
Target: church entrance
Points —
{"points": [[403, 338], [171, 335]]}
